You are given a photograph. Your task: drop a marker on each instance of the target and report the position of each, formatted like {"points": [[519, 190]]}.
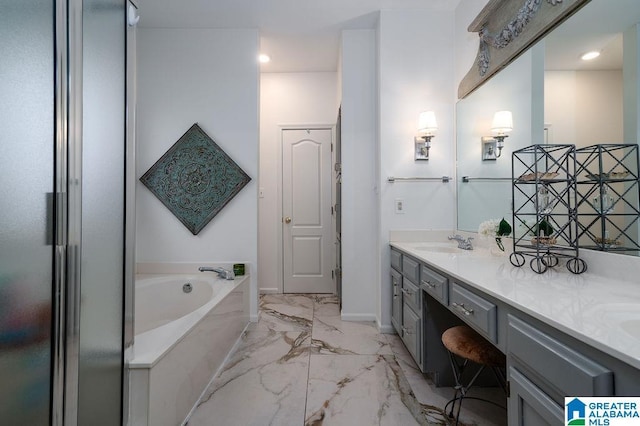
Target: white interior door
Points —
{"points": [[306, 211]]}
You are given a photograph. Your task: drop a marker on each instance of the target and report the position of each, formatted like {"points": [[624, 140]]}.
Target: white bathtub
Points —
{"points": [[181, 339]]}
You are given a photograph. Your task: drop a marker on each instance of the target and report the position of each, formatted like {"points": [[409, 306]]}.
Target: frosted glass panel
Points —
{"points": [[26, 177], [103, 147]]}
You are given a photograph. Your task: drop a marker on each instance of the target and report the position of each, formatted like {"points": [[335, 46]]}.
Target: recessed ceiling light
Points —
{"points": [[264, 58], [590, 55]]}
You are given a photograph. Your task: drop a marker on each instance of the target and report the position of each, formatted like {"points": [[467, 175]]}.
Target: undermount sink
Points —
{"points": [[439, 248], [632, 327]]}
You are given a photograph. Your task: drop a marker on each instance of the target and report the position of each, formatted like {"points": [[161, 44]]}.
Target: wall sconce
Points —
{"points": [[492, 145], [427, 126]]}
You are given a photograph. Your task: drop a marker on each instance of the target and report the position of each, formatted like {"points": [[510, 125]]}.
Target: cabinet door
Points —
{"points": [[396, 301], [529, 405], [411, 294], [396, 260], [412, 333]]}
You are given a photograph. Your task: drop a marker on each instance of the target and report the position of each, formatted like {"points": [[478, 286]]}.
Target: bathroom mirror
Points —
{"points": [[555, 97]]}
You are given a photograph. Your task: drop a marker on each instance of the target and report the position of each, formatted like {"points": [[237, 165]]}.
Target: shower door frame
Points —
{"points": [[67, 221], [68, 211]]}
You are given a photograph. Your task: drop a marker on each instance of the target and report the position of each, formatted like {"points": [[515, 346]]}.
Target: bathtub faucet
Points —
{"points": [[222, 273]]}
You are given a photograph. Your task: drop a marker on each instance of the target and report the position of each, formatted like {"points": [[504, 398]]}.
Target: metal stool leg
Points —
{"points": [[458, 370], [464, 345]]}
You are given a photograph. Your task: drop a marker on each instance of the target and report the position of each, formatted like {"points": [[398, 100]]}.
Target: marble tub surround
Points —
{"points": [[174, 362], [327, 371], [586, 306], [152, 345]]}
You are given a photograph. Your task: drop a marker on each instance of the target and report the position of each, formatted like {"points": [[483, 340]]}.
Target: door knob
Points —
{"points": [[287, 219]]}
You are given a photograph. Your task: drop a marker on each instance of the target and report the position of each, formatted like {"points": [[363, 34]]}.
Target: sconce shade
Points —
{"points": [[502, 122], [427, 122]]}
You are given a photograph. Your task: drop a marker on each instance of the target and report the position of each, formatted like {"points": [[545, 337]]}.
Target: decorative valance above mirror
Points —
{"points": [[506, 29], [557, 97]]}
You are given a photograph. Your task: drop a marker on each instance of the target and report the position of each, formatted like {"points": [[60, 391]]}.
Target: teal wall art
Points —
{"points": [[195, 179]]}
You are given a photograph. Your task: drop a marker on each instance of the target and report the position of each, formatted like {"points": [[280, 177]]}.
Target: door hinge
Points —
{"points": [[333, 275], [332, 210], [331, 147]]}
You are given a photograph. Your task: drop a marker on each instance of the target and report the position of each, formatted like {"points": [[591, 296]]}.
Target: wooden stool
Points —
{"points": [[464, 342]]}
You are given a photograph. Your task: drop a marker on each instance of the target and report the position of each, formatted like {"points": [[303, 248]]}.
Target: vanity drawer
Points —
{"points": [[560, 365], [411, 295], [475, 310], [411, 269], [434, 284], [396, 260]]}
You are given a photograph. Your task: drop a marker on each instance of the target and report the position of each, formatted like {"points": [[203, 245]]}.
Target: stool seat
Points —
{"points": [[463, 341]]}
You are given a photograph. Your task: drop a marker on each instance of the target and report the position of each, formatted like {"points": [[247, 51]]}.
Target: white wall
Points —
{"points": [[466, 43], [209, 77], [631, 71], [416, 73], [286, 99], [584, 107], [360, 261], [512, 89]]}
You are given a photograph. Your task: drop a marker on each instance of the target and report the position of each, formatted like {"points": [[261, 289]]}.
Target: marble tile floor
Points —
{"points": [[300, 364]]}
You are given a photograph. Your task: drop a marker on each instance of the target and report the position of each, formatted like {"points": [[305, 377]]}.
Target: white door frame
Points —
{"points": [[281, 128]]}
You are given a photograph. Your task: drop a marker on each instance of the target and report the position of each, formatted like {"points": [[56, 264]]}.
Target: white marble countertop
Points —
{"points": [[602, 311]]}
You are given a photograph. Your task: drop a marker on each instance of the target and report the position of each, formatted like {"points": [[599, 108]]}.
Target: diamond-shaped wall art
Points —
{"points": [[195, 179]]}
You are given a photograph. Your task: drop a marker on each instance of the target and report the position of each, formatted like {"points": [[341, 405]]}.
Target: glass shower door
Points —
{"points": [[26, 210]]}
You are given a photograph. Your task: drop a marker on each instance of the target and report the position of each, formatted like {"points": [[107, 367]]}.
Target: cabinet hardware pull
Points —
{"points": [[406, 331], [407, 292], [462, 308], [428, 284]]}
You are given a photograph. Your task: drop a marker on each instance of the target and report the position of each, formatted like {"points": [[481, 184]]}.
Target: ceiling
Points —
{"points": [[597, 26], [298, 35]]}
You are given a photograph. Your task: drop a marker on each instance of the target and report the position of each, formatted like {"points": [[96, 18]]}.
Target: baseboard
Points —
{"points": [[357, 317], [268, 290], [385, 329]]}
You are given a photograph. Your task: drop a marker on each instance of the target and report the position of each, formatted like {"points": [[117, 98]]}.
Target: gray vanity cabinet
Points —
{"points": [[412, 309], [529, 405], [543, 370], [406, 304], [412, 333], [396, 291], [544, 364], [396, 301], [475, 310]]}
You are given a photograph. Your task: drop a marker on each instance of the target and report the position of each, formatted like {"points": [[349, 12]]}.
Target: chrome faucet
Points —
{"points": [[463, 243], [222, 273]]}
